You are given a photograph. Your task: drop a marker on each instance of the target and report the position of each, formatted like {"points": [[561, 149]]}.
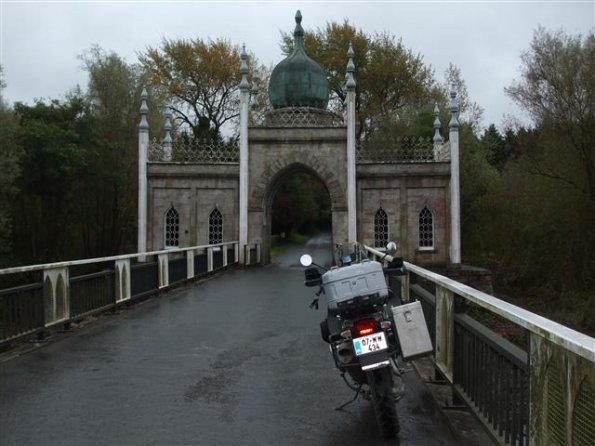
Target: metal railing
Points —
{"points": [[199, 152], [65, 292], [542, 395], [402, 150], [301, 117]]}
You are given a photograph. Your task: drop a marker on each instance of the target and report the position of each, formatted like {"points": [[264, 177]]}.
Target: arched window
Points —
{"points": [[215, 227], [426, 229], [380, 228], [172, 228]]}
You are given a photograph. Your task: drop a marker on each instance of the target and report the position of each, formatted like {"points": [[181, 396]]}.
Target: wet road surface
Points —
{"points": [[318, 247], [236, 360]]}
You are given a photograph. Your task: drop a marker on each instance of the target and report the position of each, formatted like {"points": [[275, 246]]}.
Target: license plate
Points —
{"points": [[370, 344]]}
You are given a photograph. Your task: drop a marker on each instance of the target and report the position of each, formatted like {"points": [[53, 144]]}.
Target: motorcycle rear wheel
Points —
{"points": [[383, 401]]}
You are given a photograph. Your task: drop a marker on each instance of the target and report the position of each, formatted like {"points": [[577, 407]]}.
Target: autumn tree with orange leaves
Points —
{"points": [[201, 79]]}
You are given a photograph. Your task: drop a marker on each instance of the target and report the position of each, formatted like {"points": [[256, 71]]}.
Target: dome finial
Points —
{"points": [[298, 81], [298, 33]]}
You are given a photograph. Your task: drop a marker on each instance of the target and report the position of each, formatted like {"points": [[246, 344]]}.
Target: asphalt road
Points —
{"points": [[318, 247], [235, 360]]}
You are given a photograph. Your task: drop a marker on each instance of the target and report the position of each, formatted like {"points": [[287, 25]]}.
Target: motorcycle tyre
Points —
{"points": [[383, 401]]}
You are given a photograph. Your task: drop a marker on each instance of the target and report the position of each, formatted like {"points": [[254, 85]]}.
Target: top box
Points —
{"points": [[360, 279]]}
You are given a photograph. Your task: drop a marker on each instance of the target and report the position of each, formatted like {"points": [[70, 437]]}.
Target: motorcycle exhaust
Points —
{"points": [[345, 352]]}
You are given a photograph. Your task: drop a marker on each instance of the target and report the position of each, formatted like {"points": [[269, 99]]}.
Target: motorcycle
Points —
{"points": [[360, 329]]}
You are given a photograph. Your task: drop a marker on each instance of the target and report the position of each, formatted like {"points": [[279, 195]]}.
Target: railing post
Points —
{"points": [[247, 255], [190, 264], [209, 259], [444, 331], [257, 253], [122, 282], [224, 249], [405, 284], [236, 252], [56, 295], [537, 366], [163, 261], [561, 388]]}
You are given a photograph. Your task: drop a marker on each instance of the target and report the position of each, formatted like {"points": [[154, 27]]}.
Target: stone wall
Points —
{"points": [[273, 155], [403, 190], [194, 190]]}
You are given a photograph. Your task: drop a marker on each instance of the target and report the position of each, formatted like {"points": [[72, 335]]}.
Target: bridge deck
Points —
{"points": [[237, 359]]}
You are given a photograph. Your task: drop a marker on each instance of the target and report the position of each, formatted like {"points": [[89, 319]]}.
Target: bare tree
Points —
{"points": [[557, 88]]}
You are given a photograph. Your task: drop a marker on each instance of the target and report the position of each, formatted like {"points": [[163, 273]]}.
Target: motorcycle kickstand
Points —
{"points": [[351, 400], [357, 392]]}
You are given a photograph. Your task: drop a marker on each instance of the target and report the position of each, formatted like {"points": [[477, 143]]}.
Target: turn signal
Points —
{"points": [[385, 325]]}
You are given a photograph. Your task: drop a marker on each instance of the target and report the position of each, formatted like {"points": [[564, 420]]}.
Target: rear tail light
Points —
{"points": [[365, 327]]}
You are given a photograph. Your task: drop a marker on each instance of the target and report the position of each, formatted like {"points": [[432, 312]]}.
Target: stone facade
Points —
{"points": [[301, 135], [194, 190], [275, 153], [402, 191]]}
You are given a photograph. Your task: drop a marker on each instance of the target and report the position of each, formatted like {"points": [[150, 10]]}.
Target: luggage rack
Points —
{"points": [[359, 303]]}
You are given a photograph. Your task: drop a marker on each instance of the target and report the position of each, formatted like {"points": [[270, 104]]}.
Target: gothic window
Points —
{"points": [[380, 229], [215, 227], [426, 229], [172, 228]]}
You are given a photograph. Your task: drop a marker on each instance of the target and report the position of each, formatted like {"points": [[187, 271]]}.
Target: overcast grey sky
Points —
{"points": [[40, 40]]}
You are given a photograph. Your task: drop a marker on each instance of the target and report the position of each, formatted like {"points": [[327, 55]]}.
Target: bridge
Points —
{"points": [[185, 346]]}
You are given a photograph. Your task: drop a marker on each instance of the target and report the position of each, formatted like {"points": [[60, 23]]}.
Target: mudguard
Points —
{"points": [[373, 361]]}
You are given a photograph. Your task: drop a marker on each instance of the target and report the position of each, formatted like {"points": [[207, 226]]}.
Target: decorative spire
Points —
{"points": [[298, 32], [437, 125], [454, 108], [167, 140], [144, 109], [244, 69], [255, 80], [350, 84], [298, 81]]}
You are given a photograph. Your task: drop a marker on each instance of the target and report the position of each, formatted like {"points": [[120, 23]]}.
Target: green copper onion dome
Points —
{"points": [[298, 81]]}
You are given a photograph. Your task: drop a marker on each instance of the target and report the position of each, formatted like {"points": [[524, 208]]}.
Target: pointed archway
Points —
{"points": [[308, 180], [319, 152]]}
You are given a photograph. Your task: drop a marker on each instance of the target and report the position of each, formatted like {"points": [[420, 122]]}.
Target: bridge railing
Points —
{"points": [[35, 298], [541, 394]]}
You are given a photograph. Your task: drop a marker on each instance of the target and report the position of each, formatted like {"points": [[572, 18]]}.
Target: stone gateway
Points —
{"points": [[219, 192]]}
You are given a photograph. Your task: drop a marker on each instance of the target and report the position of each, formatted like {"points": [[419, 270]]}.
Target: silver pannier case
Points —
{"points": [[361, 279], [412, 331]]}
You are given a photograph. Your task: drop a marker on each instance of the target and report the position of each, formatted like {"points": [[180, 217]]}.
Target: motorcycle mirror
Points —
{"points": [[391, 248], [306, 260]]}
